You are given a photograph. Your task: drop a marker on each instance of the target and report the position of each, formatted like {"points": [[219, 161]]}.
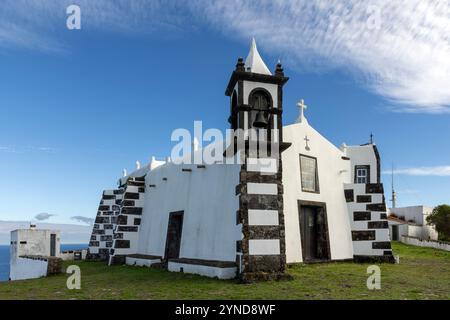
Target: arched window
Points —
{"points": [[259, 100]]}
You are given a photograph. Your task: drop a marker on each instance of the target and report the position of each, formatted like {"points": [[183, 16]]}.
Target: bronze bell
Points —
{"points": [[260, 121]]}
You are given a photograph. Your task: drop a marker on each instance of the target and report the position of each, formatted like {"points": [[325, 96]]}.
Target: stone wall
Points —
{"points": [[128, 220], [368, 219], [102, 236]]}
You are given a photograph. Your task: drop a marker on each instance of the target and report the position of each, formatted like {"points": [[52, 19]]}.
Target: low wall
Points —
{"points": [[426, 243], [24, 268], [32, 267], [71, 255]]}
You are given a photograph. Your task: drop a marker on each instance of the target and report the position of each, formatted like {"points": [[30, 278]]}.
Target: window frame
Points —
{"points": [[362, 167], [317, 184]]}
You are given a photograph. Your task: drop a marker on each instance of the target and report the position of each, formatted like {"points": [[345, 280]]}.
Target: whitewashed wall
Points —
{"points": [[362, 155], [426, 243], [333, 171], [23, 268], [207, 197], [416, 213], [422, 232], [36, 243]]}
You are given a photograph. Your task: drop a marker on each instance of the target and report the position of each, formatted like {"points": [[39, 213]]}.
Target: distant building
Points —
{"points": [[33, 253], [411, 221]]}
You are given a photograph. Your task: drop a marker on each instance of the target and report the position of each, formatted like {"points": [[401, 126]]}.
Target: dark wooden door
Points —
{"points": [[314, 233], [52, 245], [173, 239], [309, 233]]}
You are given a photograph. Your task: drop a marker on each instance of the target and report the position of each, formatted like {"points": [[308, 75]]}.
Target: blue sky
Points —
{"points": [[78, 106]]}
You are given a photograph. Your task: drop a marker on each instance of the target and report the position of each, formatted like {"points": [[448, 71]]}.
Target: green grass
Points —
{"points": [[423, 273]]}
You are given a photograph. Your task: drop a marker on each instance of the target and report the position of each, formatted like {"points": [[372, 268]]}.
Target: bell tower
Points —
{"points": [[256, 108]]}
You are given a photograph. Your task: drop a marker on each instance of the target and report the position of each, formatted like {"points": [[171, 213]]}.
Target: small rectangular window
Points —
{"points": [[309, 175], [362, 174], [23, 242]]}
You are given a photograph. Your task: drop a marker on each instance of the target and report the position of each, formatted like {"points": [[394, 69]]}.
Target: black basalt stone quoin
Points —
{"points": [[363, 199], [363, 235], [349, 195]]}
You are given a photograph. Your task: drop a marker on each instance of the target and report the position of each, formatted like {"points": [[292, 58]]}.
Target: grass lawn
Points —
{"points": [[423, 273]]}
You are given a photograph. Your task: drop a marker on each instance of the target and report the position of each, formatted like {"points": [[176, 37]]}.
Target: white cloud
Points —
{"points": [[89, 221], [406, 60], [21, 149], [442, 171], [43, 216]]}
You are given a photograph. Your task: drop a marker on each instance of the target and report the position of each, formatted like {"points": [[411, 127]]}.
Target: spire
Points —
{"points": [[254, 62]]}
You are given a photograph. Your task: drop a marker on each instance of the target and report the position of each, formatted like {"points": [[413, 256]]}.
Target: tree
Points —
{"points": [[440, 219]]}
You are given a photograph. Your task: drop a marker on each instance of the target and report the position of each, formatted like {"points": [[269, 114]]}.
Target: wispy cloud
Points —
{"points": [[24, 149], [7, 149], [43, 216], [398, 49], [441, 171], [406, 59], [86, 220]]}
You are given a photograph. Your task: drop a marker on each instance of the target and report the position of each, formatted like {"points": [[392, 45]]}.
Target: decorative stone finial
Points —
{"points": [[240, 65], [124, 172], [138, 164], [279, 71]]}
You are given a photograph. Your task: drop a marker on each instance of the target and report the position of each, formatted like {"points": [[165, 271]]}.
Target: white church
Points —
{"points": [[314, 202]]}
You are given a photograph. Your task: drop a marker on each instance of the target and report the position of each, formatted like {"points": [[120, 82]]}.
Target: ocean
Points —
{"points": [[4, 258]]}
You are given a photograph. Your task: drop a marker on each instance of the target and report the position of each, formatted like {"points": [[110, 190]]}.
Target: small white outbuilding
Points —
{"points": [[33, 253]]}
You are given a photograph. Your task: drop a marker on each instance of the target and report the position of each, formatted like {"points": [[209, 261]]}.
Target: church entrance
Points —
{"points": [[173, 239], [314, 231]]}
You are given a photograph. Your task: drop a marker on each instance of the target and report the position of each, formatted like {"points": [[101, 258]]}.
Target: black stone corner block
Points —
{"points": [[122, 220], [364, 199], [118, 259], [136, 211], [374, 188], [131, 196], [376, 207], [377, 225], [363, 235], [381, 245], [124, 244], [361, 215], [127, 229], [349, 196], [264, 263]]}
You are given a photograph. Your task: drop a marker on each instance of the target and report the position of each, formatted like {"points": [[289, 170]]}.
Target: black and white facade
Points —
{"points": [[304, 200]]}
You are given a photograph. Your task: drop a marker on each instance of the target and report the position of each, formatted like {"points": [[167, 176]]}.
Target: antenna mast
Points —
{"points": [[394, 195]]}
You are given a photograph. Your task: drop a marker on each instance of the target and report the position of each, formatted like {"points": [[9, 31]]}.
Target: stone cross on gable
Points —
{"points": [[302, 106]]}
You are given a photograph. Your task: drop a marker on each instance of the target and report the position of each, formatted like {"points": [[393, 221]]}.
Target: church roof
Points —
{"points": [[254, 63]]}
